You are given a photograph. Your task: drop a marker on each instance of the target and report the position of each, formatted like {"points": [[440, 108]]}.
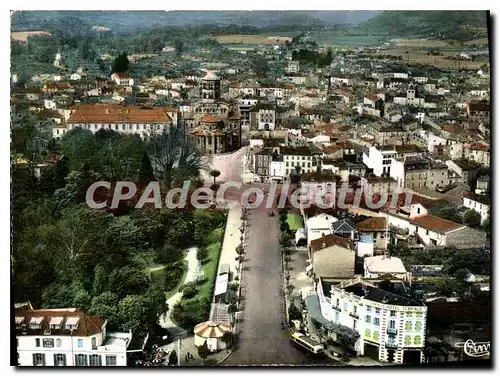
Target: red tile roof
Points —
{"points": [[328, 241], [110, 113], [372, 224], [436, 224]]}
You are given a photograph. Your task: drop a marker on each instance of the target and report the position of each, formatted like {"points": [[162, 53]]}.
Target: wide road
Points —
{"points": [[261, 340]]}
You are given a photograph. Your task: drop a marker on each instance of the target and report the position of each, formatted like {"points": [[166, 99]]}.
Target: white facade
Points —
{"points": [[75, 77], [304, 161], [144, 130], [277, 170], [387, 327], [319, 226], [379, 160], [482, 209], [124, 80]]}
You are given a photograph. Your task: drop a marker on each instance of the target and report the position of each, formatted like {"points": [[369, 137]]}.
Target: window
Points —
{"points": [[392, 324], [375, 335], [407, 340], [58, 342], [409, 314], [368, 319], [345, 307], [355, 325], [80, 360], [337, 317], [95, 360], [48, 342], [367, 333], [408, 325], [418, 314], [111, 360], [59, 360], [368, 309], [376, 321], [338, 302], [393, 313], [37, 342], [38, 359], [417, 340], [355, 310], [418, 325], [377, 311], [80, 343]]}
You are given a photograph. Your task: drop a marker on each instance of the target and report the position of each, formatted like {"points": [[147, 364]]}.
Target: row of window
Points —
{"points": [[298, 164], [295, 157], [369, 309], [417, 340], [81, 360], [124, 127], [49, 342]]}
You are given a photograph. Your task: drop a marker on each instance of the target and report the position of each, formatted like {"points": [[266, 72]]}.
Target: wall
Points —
{"points": [[466, 237]]}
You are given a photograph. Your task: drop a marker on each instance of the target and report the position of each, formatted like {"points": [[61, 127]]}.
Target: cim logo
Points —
{"points": [[473, 349]]}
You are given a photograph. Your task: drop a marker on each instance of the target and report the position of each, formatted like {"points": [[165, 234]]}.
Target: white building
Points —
{"points": [[75, 77], [67, 337], [277, 170], [293, 67], [391, 327], [298, 157], [122, 79], [266, 119]]}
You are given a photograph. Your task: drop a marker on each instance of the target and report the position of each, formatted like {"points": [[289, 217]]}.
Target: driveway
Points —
{"points": [[261, 340]]}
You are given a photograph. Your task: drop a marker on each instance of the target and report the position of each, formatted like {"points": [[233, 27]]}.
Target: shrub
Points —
{"points": [[189, 292], [234, 286], [202, 254]]}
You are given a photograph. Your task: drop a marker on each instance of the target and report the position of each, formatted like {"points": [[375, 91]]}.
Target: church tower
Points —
{"points": [[210, 88]]}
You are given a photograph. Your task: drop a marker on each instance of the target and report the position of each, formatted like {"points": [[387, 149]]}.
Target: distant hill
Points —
{"points": [[457, 25], [129, 21]]}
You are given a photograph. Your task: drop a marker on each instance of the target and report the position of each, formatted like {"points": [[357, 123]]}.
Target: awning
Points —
{"points": [[72, 320], [36, 320], [56, 321]]}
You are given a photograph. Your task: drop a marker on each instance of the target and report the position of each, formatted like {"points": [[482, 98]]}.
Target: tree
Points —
{"points": [[120, 64], [173, 359], [215, 174], [451, 214], [174, 157], [472, 218], [146, 173], [227, 338], [179, 47], [133, 314], [294, 313], [203, 351]]}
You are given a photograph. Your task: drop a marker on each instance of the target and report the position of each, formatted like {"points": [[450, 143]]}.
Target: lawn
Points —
{"points": [[196, 309], [169, 277], [294, 221]]}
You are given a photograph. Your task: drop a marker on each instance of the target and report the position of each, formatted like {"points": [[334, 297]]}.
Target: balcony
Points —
{"points": [[355, 315], [392, 331], [391, 345]]}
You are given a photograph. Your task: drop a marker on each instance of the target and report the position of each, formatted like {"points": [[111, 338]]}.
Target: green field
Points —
{"points": [[337, 38]]}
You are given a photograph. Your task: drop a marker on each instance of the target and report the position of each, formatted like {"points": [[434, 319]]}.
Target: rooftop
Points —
{"points": [[372, 224], [383, 264], [436, 224], [114, 113]]}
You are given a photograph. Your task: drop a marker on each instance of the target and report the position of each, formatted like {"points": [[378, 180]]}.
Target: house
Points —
{"points": [[378, 266], [417, 172], [122, 79], [319, 226], [332, 257], [67, 337], [478, 152], [478, 109], [340, 79], [75, 77], [277, 169], [379, 159], [376, 227], [293, 67], [391, 326], [479, 203], [433, 231]]}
